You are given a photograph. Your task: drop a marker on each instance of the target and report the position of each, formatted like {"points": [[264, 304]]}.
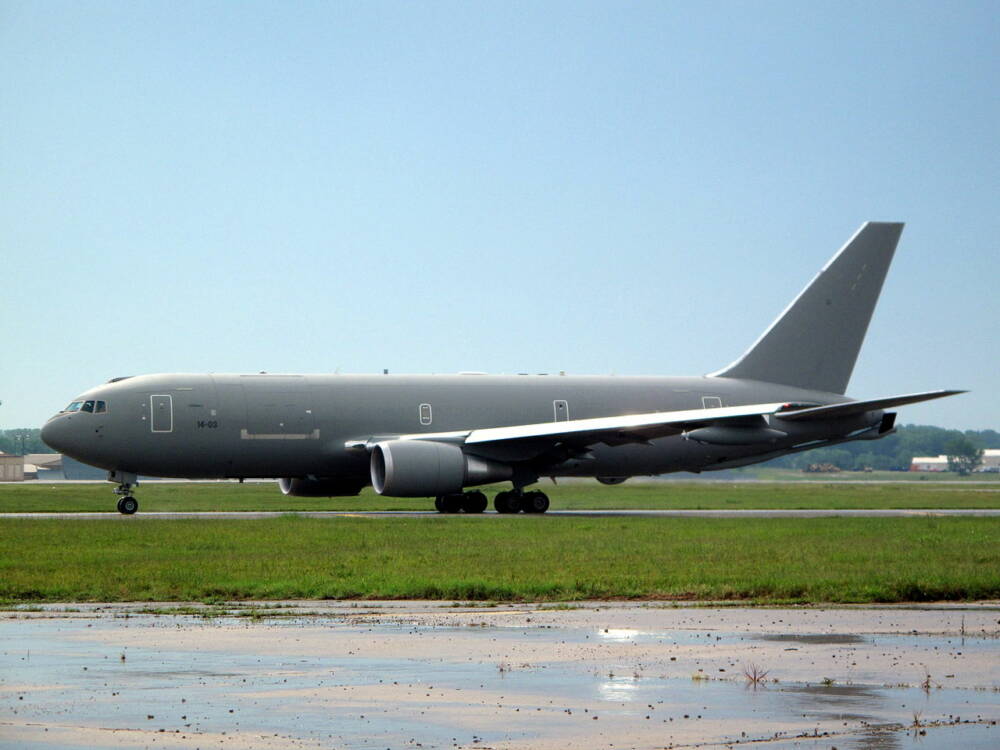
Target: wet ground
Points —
{"points": [[432, 675]]}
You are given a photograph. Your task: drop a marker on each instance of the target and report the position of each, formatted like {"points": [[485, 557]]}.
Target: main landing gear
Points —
{"points": [[509, 501], [470, 502], [516, 501]]}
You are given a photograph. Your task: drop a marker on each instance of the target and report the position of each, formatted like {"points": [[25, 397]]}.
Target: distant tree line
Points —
{"points": [[896, 452], [23, 441]]}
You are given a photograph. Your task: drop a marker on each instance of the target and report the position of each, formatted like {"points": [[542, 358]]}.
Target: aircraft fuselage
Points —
{"points": [[264, 425]]}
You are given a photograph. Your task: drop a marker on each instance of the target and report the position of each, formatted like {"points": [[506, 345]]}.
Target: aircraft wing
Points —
{"points": [[849, 408], [624, 429], [638, 428], [628, 428]]}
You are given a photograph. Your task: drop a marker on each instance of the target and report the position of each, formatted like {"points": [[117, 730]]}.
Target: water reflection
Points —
{"points": [[619, 689], [814, 638]]}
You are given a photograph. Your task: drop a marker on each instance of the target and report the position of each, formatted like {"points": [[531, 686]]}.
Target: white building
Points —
{"points": [[929, 463], [991, 462]]}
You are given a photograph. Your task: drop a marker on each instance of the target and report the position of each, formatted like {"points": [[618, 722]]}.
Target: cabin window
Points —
{"points": [[100, 408], [88, 406], [425, 414]]}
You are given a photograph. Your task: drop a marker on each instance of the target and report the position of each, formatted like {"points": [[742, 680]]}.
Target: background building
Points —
{"points": [[45, 467], [991, 462], [929, 463], [11, 468]]}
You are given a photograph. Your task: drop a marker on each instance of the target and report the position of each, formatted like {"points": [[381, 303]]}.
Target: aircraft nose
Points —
{"points": [[56, 433]]}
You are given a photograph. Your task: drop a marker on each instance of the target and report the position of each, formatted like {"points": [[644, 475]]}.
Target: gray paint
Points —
{"points": [[815, 342], [348, 408], [324, 426]]}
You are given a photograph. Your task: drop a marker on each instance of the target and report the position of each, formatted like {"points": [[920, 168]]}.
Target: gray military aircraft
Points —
{"points": [[435, 435]]}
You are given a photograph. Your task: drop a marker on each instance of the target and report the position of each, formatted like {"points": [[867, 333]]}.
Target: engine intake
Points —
{"points": [[424, 468]]}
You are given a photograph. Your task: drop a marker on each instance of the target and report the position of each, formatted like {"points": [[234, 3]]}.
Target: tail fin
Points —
{"points": [[814, 343]]}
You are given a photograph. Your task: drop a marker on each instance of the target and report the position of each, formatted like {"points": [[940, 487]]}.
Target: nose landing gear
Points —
{"points": [[127, 504]]}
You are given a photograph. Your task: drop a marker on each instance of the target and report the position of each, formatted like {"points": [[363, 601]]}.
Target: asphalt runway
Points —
{"points": [[773, 513]]}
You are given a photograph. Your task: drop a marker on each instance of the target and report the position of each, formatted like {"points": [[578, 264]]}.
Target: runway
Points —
{"points": [[772, 513]]}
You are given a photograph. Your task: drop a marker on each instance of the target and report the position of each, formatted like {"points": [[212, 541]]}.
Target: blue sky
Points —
{"points": [[631, 188]]}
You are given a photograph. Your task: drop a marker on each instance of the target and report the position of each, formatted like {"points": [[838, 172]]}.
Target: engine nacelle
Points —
{"points": [[424, 468], [324, 487]]}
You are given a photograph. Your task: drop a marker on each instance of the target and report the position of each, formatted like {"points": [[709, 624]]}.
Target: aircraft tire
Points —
{"points": [[502, 503], [474, 502], [439, 504], [535, 502], [452, 503], [128, 505]]}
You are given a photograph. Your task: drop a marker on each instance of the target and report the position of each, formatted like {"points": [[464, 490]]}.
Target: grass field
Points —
{"points": [[188, 496], [535, 558]]}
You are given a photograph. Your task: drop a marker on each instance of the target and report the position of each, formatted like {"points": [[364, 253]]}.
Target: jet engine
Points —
{"points": [[424, 468], [323, 487]]}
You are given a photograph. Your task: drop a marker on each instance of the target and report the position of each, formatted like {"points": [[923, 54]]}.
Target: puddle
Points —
{"points": [[185, 681], [822, 638]]}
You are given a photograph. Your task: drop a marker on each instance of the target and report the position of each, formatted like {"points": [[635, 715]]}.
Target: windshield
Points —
{"points": [[94, 407]]}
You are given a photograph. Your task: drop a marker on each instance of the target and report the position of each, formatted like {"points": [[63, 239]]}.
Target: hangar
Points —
{"points": [[45, 467], [991, 462]]}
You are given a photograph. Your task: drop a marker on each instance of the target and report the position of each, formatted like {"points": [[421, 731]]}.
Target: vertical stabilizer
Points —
{"points": [[815, 342]]}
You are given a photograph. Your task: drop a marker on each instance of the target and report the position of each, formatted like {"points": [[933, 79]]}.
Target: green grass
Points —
{"points": [[520, 558], [188, 496]]}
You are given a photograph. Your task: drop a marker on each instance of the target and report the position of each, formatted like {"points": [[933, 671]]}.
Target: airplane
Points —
{"points": [[435, 436]]}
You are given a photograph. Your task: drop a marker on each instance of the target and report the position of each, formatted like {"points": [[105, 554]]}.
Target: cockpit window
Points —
{"points": [[75, 406], [88, 406], [100, 408]]}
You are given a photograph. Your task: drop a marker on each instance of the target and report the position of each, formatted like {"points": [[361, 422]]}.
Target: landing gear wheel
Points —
{"points": [[439, 504], [451, 503], [507, 502], [128, 505], [474, 502], [535, 501]]}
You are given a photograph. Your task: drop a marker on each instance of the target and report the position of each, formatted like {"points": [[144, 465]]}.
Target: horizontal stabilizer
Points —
{"points": [[849, 408]]}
